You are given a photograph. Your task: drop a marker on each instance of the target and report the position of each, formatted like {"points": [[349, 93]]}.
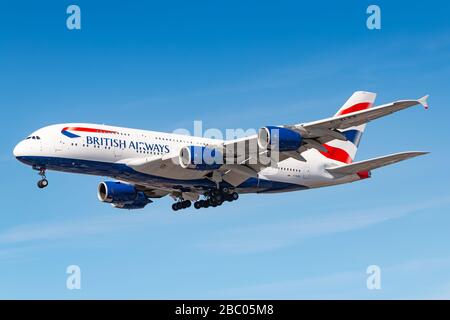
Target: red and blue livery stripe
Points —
{"points": [[337, 154], [356, 107], [352, 135], [68, 131]]}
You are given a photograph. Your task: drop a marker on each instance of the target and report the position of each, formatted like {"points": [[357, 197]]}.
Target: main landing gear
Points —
{"points": [[43, 182], [181, 205], [214, 198]]}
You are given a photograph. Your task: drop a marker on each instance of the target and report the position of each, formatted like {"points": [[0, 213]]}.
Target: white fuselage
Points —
{"points": [[106, 150]]}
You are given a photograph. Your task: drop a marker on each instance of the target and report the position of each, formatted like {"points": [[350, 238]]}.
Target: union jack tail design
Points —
{"points": [[345, 151]]}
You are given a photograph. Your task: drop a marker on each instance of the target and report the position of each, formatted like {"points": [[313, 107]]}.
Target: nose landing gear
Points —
{"points": [[43, 182]]}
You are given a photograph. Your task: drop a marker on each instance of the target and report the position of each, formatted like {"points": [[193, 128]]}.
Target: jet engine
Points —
{"points": [[200, 158], [279, 138], [122, 195]]}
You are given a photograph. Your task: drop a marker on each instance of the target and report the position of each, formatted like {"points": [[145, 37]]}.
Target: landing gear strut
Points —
{"points": [[43, 182]]}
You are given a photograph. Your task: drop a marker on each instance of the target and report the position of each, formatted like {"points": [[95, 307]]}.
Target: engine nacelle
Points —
{"points": [[122, 195], [279, 138], [140, 202], [200, 158]]}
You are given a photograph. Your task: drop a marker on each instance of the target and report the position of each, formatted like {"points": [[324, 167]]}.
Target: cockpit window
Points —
{"points": [[33, 138]]}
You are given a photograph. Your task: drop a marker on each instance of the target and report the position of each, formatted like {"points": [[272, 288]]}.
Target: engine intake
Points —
{"points": [[279, 138], [122, 195], [200, 158]]}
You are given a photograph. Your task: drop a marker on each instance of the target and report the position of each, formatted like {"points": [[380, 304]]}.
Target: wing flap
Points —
{"points": [[374, 163]]}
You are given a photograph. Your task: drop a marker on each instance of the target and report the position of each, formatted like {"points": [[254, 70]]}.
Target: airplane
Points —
{"points": [[146, 165]]}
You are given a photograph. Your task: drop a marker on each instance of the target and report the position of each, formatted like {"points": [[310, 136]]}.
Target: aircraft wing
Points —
{"points": [[246, 154], [152, 192], [167, 167], [326, 129], [316, 133], [374, 163], [242, 160]]}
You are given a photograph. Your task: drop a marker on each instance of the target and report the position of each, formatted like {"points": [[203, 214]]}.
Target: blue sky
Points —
{"points": [[232, 64]]}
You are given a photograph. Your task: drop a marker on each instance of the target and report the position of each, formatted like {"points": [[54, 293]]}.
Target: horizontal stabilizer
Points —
{"points": [[375, 163]]}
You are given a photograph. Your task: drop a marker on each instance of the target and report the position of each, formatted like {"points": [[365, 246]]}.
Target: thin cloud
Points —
{"points": [[267, 237], [295, 288], [345, 284], [74, 228]]}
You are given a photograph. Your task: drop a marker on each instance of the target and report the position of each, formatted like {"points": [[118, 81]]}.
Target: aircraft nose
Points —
{"points": [[19, 149]]}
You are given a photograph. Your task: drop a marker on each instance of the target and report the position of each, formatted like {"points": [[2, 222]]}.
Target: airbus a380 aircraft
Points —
{"points": [[149, 164]]}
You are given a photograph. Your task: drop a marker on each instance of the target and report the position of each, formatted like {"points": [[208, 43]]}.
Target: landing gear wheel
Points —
{"points": [[235, 196], [42, 183], [217, 195], [197, 205], [212, 202], [181, 205]]}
